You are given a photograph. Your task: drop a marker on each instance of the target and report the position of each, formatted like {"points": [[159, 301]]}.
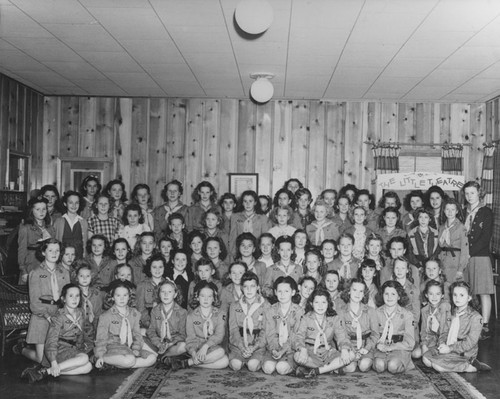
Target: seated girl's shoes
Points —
{"points": [[480, 366], [34, 373], [17, 349], [304, 372], [177, 364]]}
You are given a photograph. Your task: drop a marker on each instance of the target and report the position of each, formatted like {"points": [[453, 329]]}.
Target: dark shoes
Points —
{"points": [[480, 366], [34, 373], [304, 372], [18, 347]]}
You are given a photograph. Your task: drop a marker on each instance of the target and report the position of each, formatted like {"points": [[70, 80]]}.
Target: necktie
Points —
{"points": [[359, 332], [165, 325], [125, 330], [88, 308], [432, 321], [208, 325], [237, 292], [470, 218], [388, 331], [54, 285], [321, 334], [454, 329], [248, 324]]}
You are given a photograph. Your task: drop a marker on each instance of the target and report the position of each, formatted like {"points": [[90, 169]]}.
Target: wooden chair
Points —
{"points": [[14, 311]]}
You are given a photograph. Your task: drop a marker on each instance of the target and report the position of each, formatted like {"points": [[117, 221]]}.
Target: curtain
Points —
{"points": [[487, 173], [451, 159], [490, 183], [386, 157]]}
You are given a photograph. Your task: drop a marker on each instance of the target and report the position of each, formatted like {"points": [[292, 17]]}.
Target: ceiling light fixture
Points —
{"points": [[262, 89], [254, 16]]}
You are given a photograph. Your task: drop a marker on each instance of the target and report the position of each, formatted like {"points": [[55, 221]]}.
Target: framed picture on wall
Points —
{"points": [[239, 182]]}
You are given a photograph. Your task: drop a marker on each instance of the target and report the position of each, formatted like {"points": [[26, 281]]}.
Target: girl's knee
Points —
{"points": [[127, 361], [395, 366], [235, 364], [417, 353], [253, 365], [268, 367], [350, 368], [426, 361], [283, 368], [87, 368], [365, 364], [379, 365]]}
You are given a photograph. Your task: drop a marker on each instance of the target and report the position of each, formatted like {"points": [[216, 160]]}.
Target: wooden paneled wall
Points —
{"points": [[21, 117], [321, 143]]}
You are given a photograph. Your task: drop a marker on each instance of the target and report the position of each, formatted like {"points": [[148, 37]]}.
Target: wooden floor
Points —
{"points": [[99, 385]]}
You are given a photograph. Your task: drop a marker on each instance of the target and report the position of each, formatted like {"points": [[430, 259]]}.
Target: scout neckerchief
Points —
{"points": [[357, 324], [388, 331], [345, 270], [208, 325], [432, 321], [54, 285], [470, 217], [454, 328], [321, 334], [248, 224], [88, 308], [445, 239], [165, 325], [320, 231], [248, 324], [282, 326], [125, 329], [74, 321]]}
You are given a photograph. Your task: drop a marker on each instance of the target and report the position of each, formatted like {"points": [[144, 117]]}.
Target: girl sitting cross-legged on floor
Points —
{"points": [[119, 341], [66, 346], [205, 329], [321, 332]]}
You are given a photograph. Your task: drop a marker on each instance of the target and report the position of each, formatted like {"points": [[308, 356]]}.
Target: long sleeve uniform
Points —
{"points": [[194, 329]]}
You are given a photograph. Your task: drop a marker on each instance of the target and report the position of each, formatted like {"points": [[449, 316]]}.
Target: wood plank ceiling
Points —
{"points": [[401, 50]]}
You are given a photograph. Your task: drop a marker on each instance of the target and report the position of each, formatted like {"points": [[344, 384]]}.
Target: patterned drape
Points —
{"points": [[386, 157], [451, 159], [487, 174]]}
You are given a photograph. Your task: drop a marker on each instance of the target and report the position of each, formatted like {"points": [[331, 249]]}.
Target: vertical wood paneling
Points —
{"points": [[194, 145], [157, 147], [315, 169], [246, 137], [299, 141], [477, 138], [389, 122], [444, 123], [263, 147], [366, 167], [139, 139], [373, 122], [496, 119], [176, 137], [12, 114], [210, 152], [37, 141], [282, 141], [406, 123], [28, 122], [228, 141], [424, 122], [70, 115], [21, 118], [104, 134], [51, 134], [86, 142], [124, 141], [334, 157], [353, 143], [4, 121]]}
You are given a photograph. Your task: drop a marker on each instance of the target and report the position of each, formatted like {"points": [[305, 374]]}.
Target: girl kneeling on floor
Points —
{"points": [[205, 328], [458, 343], [66, 346], [315, 349], [119, 341], [167, 330], [397, 332]]}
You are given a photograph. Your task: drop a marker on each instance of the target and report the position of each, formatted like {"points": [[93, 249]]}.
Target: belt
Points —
{"points": [[353, 337], [48, 301], [451, 250], [397, 338], [72, 342], [254, 333]]}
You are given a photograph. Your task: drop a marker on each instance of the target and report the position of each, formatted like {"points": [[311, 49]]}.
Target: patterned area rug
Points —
{"points": [[421, 383]]}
